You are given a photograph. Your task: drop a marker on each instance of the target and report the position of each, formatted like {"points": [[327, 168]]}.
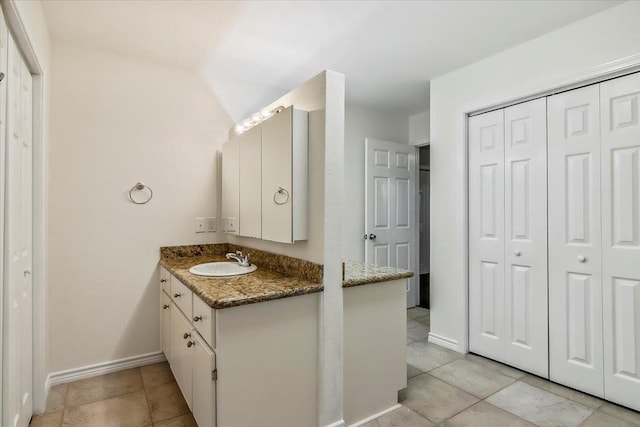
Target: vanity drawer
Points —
{"points": [[165, 279], [204, 320], [182, 297]]}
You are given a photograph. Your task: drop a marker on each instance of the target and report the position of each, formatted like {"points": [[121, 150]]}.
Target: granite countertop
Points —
{"points": [[359, 273], [264, 284]]}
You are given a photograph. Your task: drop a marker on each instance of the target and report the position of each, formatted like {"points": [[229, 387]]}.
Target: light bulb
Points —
{"points": [[239, 129], [265, 113]]}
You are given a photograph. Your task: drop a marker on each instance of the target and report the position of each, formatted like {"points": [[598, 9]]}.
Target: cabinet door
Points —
{"points": [[250, 149], [575, 290], [165, 324], [277, 192], [230, 186], [486, 235], [526, 318], [620, 130], [181, 335], [204, 386]]}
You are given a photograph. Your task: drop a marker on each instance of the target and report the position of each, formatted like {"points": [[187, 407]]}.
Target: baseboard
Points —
{"points": [[444, 342], [374, 416], [103, 368], [336, 424]]}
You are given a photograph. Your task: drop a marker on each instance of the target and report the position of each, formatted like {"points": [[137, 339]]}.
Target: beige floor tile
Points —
{"points": [[104, 387], [181, 421], [495, 366], [472, 378], [426, 356], [418, 333], [435, 399], [621, 412], [412, 371], [55, 398], [401, 417], [484, 414], [166, 402], [130, 410], [49, 419], [576, 396], [539, 406], [156, 374], [600, 419], [417, 312], [424, 320]]}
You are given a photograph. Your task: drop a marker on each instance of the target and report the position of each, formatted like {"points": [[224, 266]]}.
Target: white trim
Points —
{"points": [[445, 342], [374, 416], [336, 424], [76, 374]]}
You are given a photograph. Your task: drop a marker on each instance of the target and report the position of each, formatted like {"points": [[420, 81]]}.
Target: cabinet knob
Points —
{"points": [[581, 258], [163, 280], [517, 253], [190, 343], [197, 318], [186, 335], [164, 307], [177, 295]]}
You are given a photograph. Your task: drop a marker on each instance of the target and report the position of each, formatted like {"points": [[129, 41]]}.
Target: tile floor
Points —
{"points": [[147, 396], [444, 388]]}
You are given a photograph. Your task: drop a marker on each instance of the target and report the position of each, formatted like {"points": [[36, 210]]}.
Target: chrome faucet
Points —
{"points": [[243, 260]]}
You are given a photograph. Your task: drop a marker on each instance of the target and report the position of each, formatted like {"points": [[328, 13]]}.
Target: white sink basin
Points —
{"points": [[221, 269]]}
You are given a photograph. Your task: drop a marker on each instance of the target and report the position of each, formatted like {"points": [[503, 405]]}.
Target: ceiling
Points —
{"points": [[252, 52]]}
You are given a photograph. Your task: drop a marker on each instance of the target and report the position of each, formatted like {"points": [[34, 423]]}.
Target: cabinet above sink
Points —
{"points": [[265, 179]]}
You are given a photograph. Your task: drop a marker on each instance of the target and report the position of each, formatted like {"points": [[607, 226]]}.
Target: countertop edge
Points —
{"points": [[349, 283]]}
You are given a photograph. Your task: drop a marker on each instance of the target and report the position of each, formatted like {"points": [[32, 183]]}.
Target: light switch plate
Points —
{"points": [[231, 224], [199, 225], [211, 224]]}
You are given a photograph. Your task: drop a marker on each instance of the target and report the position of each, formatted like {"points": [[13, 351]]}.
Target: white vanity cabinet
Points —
{"points": [[285, 165], [203, 368], [250, 149], [181, 343], [265, 179], [231, 186], [165, 324]]}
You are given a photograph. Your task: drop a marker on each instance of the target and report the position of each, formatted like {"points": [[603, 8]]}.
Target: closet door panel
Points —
{"points": [[575, 287], [620, 121], [525, 127], [486, 235]]}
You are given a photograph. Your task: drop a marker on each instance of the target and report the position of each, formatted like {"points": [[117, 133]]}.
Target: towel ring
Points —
{"points": [[280, 190], [140, 186]]}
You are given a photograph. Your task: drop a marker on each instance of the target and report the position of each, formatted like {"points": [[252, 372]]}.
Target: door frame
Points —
{"points": [[417, 216], [22, 40], [594, 75]]}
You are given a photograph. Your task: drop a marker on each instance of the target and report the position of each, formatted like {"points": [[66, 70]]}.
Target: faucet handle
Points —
{"points": [[247, 258], [239, 253]]}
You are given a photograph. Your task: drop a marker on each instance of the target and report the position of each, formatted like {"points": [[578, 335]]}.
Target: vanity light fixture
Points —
{"points": [[256, 118]]}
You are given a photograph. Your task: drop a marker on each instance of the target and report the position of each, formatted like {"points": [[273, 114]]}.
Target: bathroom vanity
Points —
{"points": [[243, 349]]}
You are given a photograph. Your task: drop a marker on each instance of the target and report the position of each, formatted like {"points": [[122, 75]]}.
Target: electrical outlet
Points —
{"points": [[199, 225], [211, 224], [231, 225]]}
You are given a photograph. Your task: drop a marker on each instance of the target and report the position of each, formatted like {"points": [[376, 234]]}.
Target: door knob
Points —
{"points": [[197, 318], [581, 258], [517, 252], [177, 295], [163, 280], [27, 272], [365, 236], [372, 236], [164, 307], [186, 335], [190, 343]]}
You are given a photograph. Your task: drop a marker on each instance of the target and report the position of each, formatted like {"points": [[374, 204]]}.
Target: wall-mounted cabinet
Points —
{"points": [[265, 179]]}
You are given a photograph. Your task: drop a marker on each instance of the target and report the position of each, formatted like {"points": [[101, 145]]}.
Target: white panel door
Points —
{"points": [[620, 130], [575, 290], [165, 325], [526, 317], [250, 150], [486, 235], [18, 328], [390, 197], [181, 356]]}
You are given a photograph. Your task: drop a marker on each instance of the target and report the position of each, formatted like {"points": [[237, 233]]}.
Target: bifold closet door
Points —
{"points": [[620, 149], [507, 236], [486, 235], [575, 289]]}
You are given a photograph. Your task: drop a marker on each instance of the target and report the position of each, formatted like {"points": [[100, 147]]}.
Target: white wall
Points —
{"points": [[578, 51], [361, 123], [116, 120], [419, 128]]}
